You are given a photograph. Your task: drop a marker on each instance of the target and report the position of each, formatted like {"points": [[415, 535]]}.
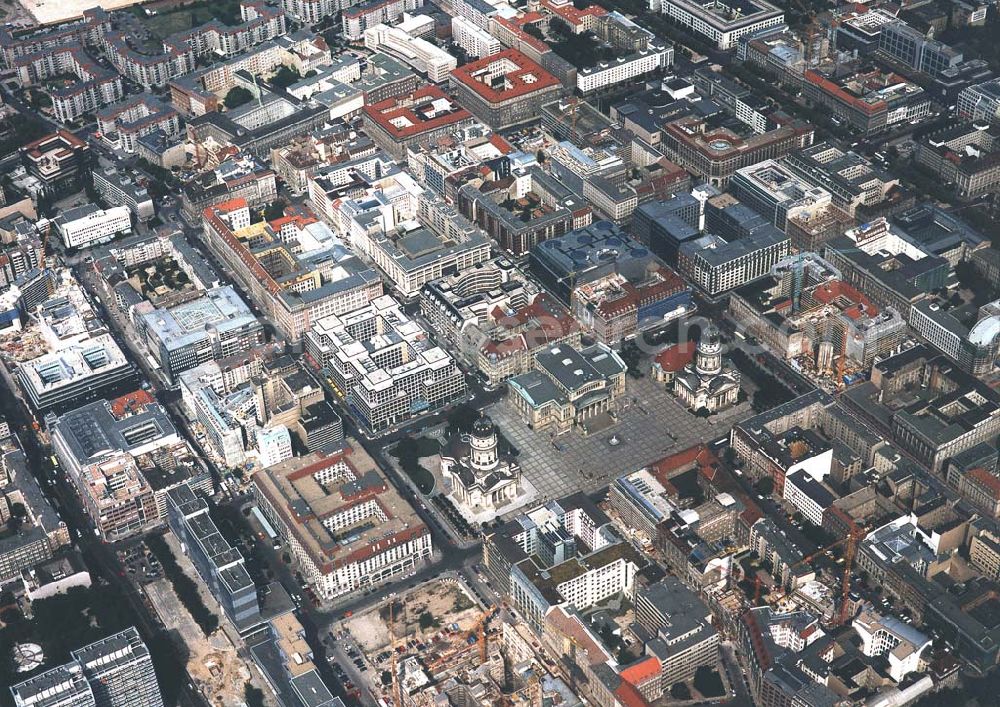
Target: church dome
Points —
{"points": [[483, 427]]}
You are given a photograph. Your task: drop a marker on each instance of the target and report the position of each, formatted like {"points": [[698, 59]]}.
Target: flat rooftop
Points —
{"points": [[728, 15]]}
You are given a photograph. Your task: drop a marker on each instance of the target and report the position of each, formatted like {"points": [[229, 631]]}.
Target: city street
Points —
{"points": [[101, 558]]}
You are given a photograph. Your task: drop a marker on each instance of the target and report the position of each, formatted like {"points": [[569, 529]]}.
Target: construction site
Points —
{"points": [[437, 640], [213, 662]]}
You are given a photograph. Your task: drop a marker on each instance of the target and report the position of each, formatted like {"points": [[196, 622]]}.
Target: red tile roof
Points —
{"points": [[986, 480], [674, 358], [527, 78], [408, 107], [131, 403], [841, 95], [629, 696], [571, 14], [642, 672]]}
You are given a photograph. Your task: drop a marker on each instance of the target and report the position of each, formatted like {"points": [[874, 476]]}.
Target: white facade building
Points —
{"points": [[274, 445], [88, 225], [423, 56], [623, 68], [384, 363], [808, 495], [901, 644], [723, 23], [475, 41]]}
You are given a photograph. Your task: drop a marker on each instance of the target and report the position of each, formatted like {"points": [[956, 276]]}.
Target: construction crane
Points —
{"points": [[45, 243], [853, 536], [397, 699], [842, 361], [480, 633]]}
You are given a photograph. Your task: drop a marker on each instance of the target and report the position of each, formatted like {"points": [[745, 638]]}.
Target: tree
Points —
{"points": [[253, 696], [680, 691], [708, 682], [632, 357], [460, 419], [237, 97], [285, 77], [766, 486], [17, 508], [534, 31], [427, 621], [274, 210], [557, 25]]}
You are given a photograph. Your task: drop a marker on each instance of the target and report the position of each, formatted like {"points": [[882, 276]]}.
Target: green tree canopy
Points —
{"points": [[237, 97]]}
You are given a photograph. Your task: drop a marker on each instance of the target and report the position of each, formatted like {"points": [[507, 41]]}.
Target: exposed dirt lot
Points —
{"points": [[423, 611]]}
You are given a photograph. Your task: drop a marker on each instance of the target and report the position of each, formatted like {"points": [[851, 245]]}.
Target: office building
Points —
{"points": [[856, 187], [242, 176], [916, 50], [685, 638], [613, 285], [320, 429], [662, 226], [561, 553], [402, 123], [518, 216], [461, 307], [117, 189], [358, 18], [295, 270], [423, 56], [116, 671], [40, 532], [346, 525], [738, 100], [514, 338], [953, 413], [120, 671], [980, 102], [59, 161], [411, 234], [104, 448], [384, 364], [717, 266], [775, 192], [72, 372], [723, 24], [716, 153], [654, 56], [63, 686], [219, 563], [87, 225], [216, 325], [901, 643], [475, 41], [966, 157], [892, 270], [286, 661], [505, 89]]}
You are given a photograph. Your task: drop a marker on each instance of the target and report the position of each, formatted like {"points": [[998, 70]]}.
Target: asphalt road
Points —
{"points": [[99, 556]]}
